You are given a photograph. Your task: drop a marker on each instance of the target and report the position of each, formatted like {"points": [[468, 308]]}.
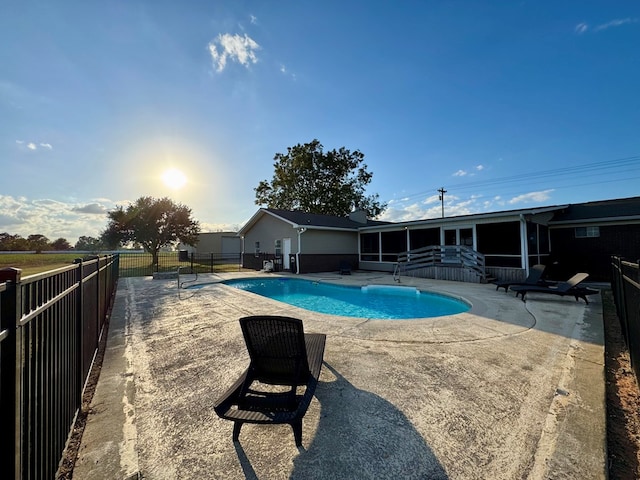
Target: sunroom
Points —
{"points": [[462, 248]]}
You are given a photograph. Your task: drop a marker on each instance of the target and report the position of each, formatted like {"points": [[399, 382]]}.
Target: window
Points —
{"points": [[585, 232], [278, 248], [424, 237], [370, 247], [393, 243], [257, 248]]}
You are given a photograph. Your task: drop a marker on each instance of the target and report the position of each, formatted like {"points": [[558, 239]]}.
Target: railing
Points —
{"points": [[625, 284], [454, 256], [50, 327]]}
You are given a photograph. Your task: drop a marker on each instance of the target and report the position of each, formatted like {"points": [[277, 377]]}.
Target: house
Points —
{"points": [[508, 241], [301, 242], [567, 238]]}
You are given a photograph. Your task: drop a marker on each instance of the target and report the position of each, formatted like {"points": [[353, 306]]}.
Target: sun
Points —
{"points": [[174, 178]]}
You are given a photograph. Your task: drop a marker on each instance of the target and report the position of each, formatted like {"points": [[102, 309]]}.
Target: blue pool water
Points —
{"points": [[386, 302]]}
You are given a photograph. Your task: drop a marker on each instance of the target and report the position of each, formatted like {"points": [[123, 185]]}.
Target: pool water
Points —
{"points": [[373, 301]]}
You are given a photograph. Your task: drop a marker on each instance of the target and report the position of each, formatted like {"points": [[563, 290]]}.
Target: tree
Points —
{"points": [[10, 242], [153, 223], [60, 244], [38, 242], [88, 244], [332, 183]]}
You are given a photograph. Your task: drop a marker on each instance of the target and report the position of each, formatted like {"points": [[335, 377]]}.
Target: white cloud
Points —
{"points": [[253, 19], [460, 173], [479, 167], [615, 23], [284, 71], [581, 28], [541, 196], [241, 49], [91, 208], [53, 219], [33, 145], [219, 227]]}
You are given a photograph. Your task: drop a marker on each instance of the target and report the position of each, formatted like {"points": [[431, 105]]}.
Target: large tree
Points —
{"points": [[89, 244], [38, 242], [152, 223], [309, 179], [60, 244]]}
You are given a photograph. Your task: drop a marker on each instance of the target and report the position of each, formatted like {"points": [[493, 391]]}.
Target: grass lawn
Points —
{"points": [[131, 264], [32, 263]]}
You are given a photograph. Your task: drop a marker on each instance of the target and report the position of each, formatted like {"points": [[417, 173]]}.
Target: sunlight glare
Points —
{"points": [[174, 178]]}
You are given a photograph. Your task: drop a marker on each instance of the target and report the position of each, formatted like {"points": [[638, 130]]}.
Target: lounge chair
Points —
{"points": [[534, 278], [345, 268], [281, 354], [570, 287]]}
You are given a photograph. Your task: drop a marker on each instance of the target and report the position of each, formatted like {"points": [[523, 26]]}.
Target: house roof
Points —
{"points": [[298, 219], [624, 209], [604, 210], [475, 217]]}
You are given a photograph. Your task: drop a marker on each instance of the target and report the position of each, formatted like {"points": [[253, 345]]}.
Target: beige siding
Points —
{"points": [[331, 242], [266, 231], [269, 229], [218, 242]]}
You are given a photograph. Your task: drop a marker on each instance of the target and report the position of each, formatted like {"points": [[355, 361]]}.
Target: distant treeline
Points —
{"points": [[39, 243]]}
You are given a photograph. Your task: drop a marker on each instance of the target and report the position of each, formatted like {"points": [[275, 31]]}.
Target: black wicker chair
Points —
{"points": [[570, 287], [345, 268], [282, 359], [534, 278]]}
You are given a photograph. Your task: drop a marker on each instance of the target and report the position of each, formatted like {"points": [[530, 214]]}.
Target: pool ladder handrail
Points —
{"points": [[396, 272], [181, 284]]}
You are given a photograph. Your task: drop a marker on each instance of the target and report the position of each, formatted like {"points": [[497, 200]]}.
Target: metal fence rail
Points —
{"points": [[50, 326], [141, 264], [625, 284]]}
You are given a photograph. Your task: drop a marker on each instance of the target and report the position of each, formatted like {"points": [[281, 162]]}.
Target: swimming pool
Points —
{"points": [[372, 301]]}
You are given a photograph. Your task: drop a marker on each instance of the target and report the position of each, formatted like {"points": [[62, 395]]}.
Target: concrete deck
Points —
{"points": [[509, 390]]}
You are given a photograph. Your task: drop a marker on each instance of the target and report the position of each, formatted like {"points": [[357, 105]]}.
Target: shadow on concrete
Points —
{"points": [[362, 435], [245, 463]]}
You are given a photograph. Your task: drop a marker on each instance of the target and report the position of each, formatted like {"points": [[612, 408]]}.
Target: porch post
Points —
{"points": [[524, 244]]}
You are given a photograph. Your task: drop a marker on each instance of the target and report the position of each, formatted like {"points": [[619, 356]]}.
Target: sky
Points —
{"points": [[504, 105]]}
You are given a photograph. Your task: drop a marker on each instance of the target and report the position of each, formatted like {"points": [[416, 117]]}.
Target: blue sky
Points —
{"points": [[504, 104]]}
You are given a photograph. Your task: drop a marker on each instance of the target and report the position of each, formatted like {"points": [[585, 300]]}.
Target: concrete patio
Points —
{"points": [[508, 390]]}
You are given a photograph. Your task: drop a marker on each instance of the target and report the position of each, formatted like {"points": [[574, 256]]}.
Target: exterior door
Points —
{"points": [[449, 251], [286, 251]]}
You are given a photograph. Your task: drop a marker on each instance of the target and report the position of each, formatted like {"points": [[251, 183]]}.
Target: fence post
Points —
{"points": [[10, 386], [79, 332], [622, 313]]}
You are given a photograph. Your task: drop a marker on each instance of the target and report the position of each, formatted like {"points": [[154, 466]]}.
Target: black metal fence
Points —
{"points": [[625, 283], [141, 264], [50, 327]]}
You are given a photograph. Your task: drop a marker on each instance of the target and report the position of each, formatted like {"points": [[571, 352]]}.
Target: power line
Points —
{"points": [[578, 172]]}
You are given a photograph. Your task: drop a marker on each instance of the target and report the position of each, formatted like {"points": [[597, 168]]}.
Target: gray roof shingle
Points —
{"points": [[324, 221], [623, 207]]}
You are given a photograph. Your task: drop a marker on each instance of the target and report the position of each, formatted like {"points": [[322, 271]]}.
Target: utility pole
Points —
{"points": [[442, 191]]}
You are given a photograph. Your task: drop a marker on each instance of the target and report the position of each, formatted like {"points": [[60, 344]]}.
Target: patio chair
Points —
{"points": [[282, 359], [570, 287], [534, 278], [345, 268]]}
